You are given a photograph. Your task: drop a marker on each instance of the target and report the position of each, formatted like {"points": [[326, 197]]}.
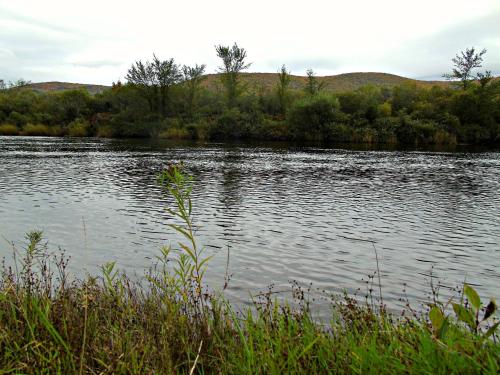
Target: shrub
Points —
{"points": [[175, 133], [37, 130], [104, 132], [442, 137], [473, 133], [365, 135], [272, 130], [201, 128], [9, 129], [310, 118], [386, 129], [350, 102], [57, 131], [174, 128], [405, 97], [17, 119], [231, 124], [78, 128], [385, 109], [413, 131], [339, 132]]}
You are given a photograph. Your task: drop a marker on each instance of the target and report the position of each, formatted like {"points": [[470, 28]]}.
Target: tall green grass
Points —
{"points": [[170, 322]]}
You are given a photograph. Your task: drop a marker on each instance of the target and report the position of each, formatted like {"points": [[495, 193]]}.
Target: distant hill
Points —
{"points": [[335, 83], [63, 86]]}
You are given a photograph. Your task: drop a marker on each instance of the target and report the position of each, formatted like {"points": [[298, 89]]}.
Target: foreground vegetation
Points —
{"points": [[166, 100], [170, 322]]}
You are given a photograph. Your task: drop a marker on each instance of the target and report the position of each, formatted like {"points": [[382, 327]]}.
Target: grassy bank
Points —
{"points": [[170, 322]]}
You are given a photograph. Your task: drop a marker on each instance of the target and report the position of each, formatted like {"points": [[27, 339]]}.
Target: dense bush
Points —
{"points": [[404, 114], [78, 128], [231, 124], [9, 129], [38, 130], [311, 118]]}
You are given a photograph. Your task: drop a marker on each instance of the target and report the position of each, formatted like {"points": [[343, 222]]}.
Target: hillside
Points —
{"points": [[62, 86], [335, 83]]}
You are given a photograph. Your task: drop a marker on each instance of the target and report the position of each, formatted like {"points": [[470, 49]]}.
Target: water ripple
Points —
{"points": [[285, 213]]}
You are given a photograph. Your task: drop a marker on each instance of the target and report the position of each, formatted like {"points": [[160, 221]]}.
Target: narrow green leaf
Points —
{"points": [[180, 230], [188, 250], [49, 327], [205, 261]]}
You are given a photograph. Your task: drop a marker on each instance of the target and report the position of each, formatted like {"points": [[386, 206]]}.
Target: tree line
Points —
{"points": [[162, 98]]}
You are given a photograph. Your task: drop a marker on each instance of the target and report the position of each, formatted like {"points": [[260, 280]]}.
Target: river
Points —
{"points": [[285, 212]]}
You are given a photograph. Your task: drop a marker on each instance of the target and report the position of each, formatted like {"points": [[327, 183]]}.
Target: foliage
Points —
{"points": [[311, 117], [8, 129], [464, 63], [231, 124], [193, 77], [78, 128], [467, 313], [155, 79], [162, 99], [282, 86], [38, 130], [233, 62], [313, 86]]}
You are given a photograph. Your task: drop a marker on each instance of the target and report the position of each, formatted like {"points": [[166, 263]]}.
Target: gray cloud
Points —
{"points": [[429, 57], [299, 66], [28, 47], [55, 46], [421, 57], [97, 63]]}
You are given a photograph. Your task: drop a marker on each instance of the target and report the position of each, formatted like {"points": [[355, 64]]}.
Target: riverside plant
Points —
{"points": [[170, 322]]}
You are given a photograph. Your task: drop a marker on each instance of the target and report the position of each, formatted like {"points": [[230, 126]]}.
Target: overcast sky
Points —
{"points": [[96, 41]]}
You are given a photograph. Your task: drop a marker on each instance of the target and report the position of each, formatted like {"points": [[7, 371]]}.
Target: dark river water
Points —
{"points": [[286, 213]]}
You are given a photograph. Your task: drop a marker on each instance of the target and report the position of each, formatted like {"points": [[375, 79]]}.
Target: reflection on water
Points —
{"points": [[285, 212]]}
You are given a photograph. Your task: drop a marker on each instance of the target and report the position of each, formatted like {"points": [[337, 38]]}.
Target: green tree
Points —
{"points": [[167, 74], [284, 79], [233, 62], [20, 83], [405, 97], [142, 76], [155, 79], [484, 78], [193, 77], [72, 104], [464, 63], [313, 86]]}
